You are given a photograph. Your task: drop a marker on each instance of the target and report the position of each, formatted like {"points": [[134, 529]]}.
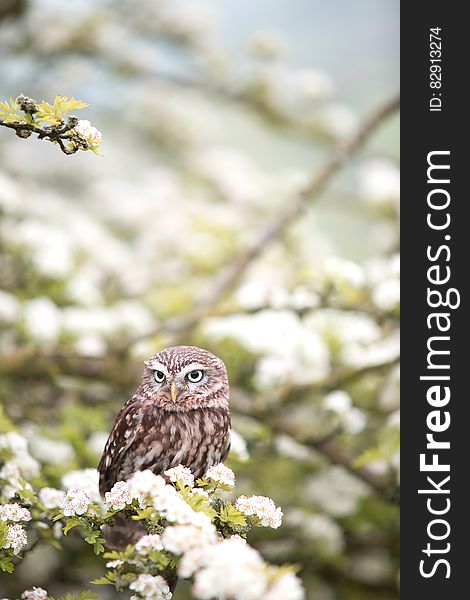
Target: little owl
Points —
{"points": [[179, 414]]}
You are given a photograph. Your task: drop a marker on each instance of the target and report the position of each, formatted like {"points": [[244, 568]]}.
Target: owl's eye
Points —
{"points": [[195, 376], [159, 376]]}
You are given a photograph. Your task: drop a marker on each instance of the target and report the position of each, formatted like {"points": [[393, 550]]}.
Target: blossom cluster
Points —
{"points": [[262, 508], [219, 562]]}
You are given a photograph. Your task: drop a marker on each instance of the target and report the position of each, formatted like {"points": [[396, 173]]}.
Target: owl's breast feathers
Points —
{"points": [[147, 437]]}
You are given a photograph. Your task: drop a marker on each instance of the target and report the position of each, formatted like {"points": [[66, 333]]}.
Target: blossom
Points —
{"points": [[42, 319], [335, 491], [181, 538], [14, 442], [54, 452], [148, 543], [21, 464], [16, 538], [9, 307], [344, 273], [238, 446], [114, 564], [119, 495], [337, 401], [151, 588], [379, 183], [14, 512], [181, 473], [230, 569], [285, 587], [221, 474], [144, 485], [35, 593], [261, 507], [89, 134], [76, 502], [86, 480], [51, 497]]}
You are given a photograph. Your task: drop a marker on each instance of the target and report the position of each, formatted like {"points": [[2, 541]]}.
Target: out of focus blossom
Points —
{"points": [[379, 183], [35, 593], [51, 498], [151, 587], [148, 543], [86, 480]]}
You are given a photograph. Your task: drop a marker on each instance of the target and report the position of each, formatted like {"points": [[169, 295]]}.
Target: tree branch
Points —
{"points": [[180, 328]]}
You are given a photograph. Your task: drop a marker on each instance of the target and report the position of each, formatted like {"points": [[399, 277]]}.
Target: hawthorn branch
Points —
{"points": [[54, 133]]}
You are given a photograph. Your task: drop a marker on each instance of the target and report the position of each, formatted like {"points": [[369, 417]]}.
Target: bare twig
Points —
{"points": [[55, 134]]}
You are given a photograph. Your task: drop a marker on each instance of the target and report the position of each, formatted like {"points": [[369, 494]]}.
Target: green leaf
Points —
{"points": [[230, 514], [55, 114], [3, 533], [6, 565], [71, 523], [85, 595], [9, 112]]}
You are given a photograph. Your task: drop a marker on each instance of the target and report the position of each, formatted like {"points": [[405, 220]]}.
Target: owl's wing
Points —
{"points": [[125, 430]]}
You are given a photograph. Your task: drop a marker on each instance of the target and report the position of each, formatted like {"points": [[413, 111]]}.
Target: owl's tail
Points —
{"points": [[122, 533]]}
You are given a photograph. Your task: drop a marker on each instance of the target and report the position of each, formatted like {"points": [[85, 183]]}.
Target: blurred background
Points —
{"points": [[214, 116]]}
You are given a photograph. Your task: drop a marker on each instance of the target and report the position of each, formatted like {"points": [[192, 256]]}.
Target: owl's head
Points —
{"points": [[181, 378]]}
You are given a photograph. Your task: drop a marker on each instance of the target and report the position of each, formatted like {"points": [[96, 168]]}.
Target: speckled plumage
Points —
{"points": [[157, 432]]}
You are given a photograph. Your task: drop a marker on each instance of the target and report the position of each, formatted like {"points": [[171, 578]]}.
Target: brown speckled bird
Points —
{"points": [[179, 414]]}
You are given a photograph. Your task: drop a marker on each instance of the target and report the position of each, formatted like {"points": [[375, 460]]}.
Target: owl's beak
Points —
{"points": [[174, 391]]}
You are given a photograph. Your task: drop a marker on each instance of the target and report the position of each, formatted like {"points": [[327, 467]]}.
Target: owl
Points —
{"points": [[179, 414]]}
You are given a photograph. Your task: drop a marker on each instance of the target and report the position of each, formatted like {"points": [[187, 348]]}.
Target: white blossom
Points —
{"points": [[51, 497], [261, 507], [16, 538], [266, 45], [181, 473], [386, 294], [47, 450], [149, 543], [14, 512], [337, 120], [76, 502], [344, 272], [231, 569], [335, 491], [114, 564], [14, 442], [354, 420], [221, 474], [151, 588], [145, 485], [42, 319], [181, 538], [379, 183], [9, 307], [238, 446], [119, 496], [86, 480], [35, 593], [286, 586], [87, 132], [337, 401]]}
